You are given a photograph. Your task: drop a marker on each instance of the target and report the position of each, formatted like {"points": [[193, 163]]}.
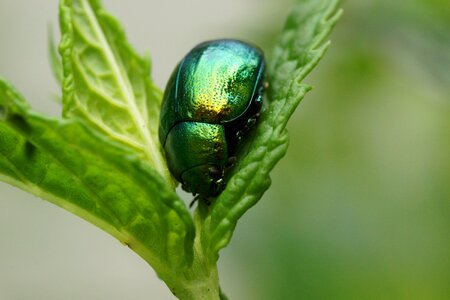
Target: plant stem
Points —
{"points": [[201, 280], [205, 287]]}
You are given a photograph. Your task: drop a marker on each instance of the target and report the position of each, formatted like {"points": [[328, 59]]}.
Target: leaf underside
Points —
{"points": [[106, 83]]}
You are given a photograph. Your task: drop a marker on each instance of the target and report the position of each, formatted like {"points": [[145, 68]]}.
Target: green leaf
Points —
{"points": [[106, 83], [65, 163], [298, 51], [55, 59]]}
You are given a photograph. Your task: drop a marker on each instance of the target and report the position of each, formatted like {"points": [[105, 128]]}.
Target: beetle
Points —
{"points": [[212, 99]]}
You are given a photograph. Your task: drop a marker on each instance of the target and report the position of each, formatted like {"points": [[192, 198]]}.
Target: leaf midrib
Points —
{"points": [[149, 148]]}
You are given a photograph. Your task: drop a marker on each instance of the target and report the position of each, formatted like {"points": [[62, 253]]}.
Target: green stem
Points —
{"points": [[200, 287], [201, 280]]}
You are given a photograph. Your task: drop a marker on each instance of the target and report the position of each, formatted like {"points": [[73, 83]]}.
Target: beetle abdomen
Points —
{"points": [[191, 144]]}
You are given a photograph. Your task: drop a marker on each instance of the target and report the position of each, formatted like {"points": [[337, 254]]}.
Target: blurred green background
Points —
{"points": [[360, 206]]}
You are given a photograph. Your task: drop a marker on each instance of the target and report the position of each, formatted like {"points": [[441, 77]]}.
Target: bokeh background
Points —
{"points": [[360, 206]]}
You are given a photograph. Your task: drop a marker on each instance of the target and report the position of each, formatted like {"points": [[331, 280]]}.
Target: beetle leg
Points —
{"points": [[231, 161], [215, 172], [239, 135], [258, 100], [193, 201], [220, 183], [251, 122], [199, 198], [186, 187]]}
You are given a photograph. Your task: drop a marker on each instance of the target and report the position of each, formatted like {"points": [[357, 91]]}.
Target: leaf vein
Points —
{"points": [[125, 87]]}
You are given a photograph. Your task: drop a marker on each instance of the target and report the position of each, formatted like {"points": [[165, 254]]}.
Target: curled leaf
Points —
{"points": [[298, 50]]}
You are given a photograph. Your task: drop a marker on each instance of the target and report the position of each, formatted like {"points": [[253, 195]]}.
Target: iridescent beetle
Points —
{"points": [[212, 99]]}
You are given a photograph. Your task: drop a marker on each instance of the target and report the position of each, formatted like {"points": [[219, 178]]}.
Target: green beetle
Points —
{"points": [[213, 97]]}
